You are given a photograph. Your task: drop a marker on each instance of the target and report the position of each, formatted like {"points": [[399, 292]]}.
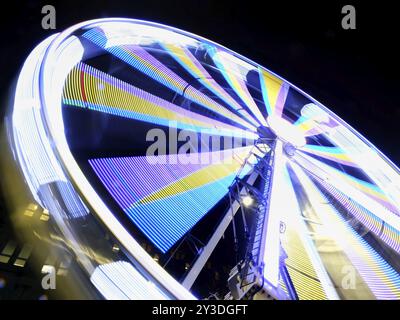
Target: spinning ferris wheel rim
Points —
{"points": [[54, 124]]}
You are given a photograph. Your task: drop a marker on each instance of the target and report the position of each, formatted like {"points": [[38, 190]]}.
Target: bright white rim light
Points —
{"points": [[247, 201]]}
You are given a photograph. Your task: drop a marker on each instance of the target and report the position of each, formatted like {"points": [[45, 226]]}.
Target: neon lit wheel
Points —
{"points": [[151, 140]]}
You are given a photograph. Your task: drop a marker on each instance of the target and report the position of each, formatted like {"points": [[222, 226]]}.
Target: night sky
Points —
{"points": [[353, 72]]}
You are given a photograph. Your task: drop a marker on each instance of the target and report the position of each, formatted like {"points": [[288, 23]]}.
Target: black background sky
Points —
{"points": [[353, 72]]}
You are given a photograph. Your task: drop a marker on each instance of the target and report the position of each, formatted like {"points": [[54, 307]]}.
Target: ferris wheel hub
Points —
{"points": [[286, 131]]}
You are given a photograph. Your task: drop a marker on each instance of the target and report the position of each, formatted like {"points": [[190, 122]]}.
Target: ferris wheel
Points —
{"points": [[161, 139]]}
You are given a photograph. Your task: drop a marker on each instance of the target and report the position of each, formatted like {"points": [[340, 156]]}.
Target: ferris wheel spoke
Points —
{"points": [[314, 121], [274, 91], [304, 266], [187, 60], [369, 220], [374, 271], [235, 74], [302, 245], [365, 194], [141, 60], [90, 88], [309, 127], [335, 154], [385, 177], [271, 246], [188, 191]]}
